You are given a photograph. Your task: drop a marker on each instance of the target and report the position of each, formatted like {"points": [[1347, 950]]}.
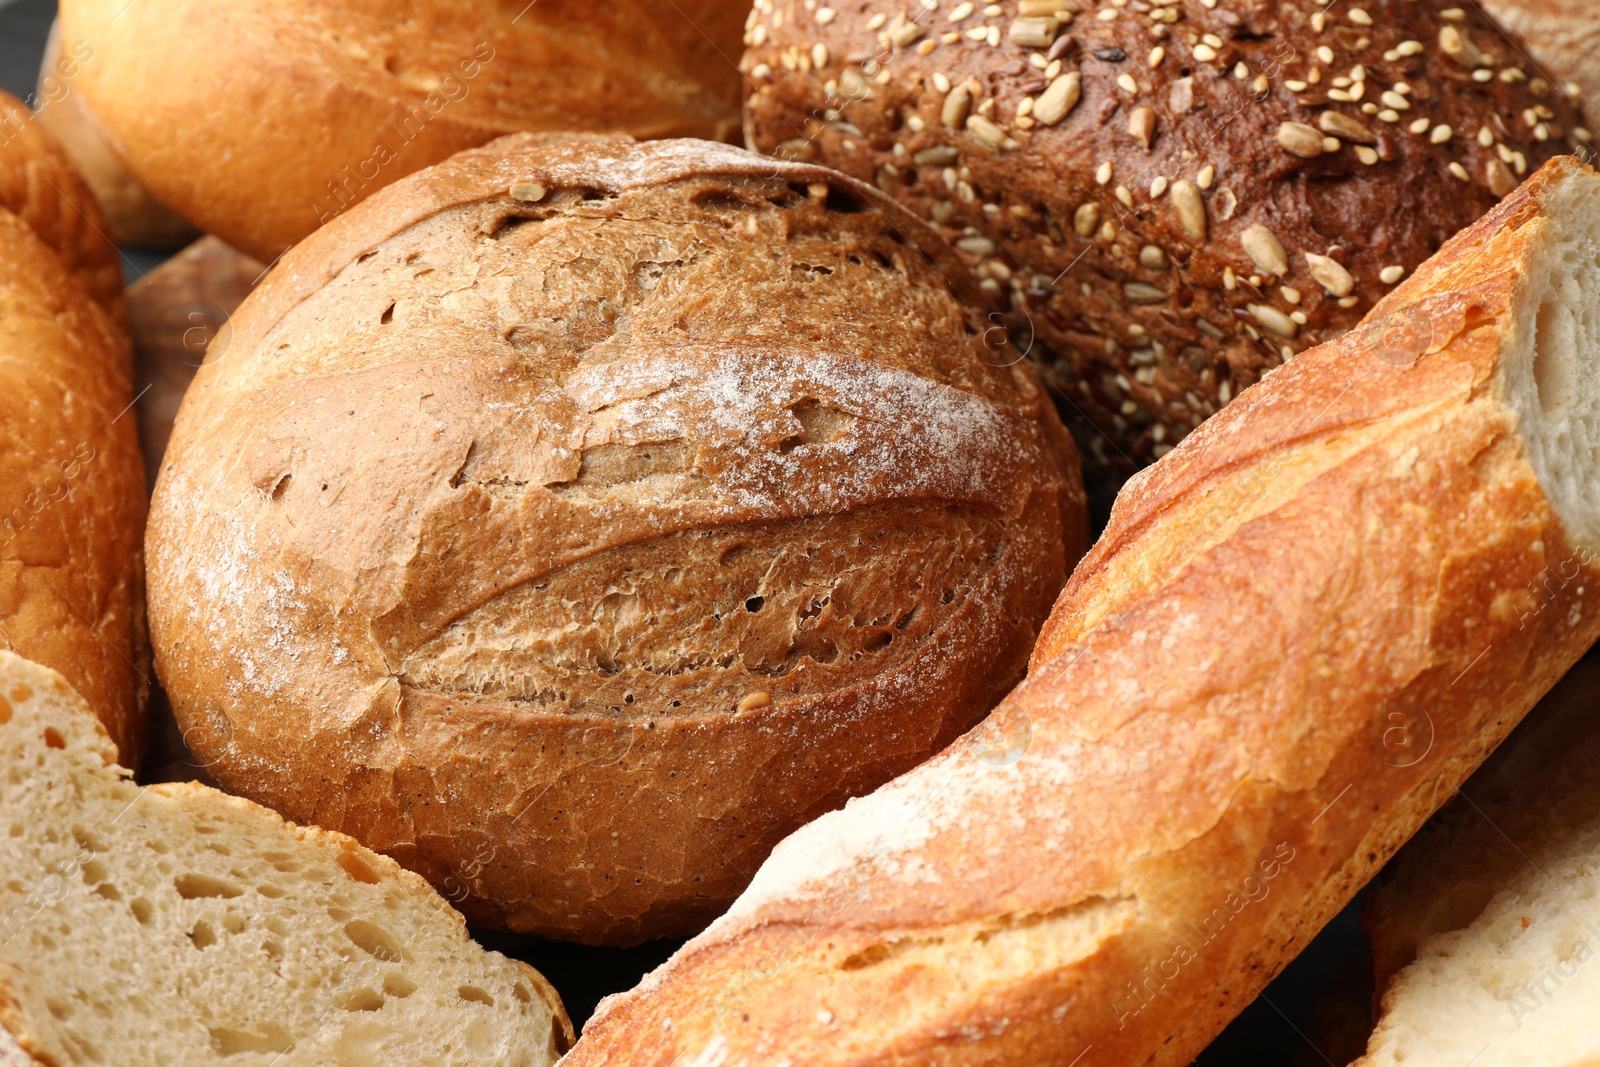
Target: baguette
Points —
{"points": [[1485, 927], [1299, 634], [1175, 198], [578, 517], [40, 186], [260, 120], [176, 924], [72, 492]]}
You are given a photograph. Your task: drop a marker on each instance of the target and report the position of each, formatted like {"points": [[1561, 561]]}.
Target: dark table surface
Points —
{"points": [[1269, 1032]]}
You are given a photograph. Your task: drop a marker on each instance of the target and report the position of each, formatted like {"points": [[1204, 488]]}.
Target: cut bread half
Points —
{"points": [[175, 924], [1486, 929]]}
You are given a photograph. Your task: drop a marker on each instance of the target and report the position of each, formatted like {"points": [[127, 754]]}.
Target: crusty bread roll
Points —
{"points": [[72, 491], [1301, 631], [580, 516], [1177, 196], [259, 120], [177, 925], [1562, 37], [175, 313], [1486, 927], [39, 185], [132, 215]]}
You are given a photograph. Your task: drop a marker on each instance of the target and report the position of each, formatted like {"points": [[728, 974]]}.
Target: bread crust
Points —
{"points": [[132, 215], [308, 109], [40, 186], [1299, 634], [1129, 265], [72, 491], [743, 552]]}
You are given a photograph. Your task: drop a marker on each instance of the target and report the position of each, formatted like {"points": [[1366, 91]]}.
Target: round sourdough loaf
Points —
{"points": [[577, 517], [258, 120], [1178, 196], [39, 184], [72, 489]]}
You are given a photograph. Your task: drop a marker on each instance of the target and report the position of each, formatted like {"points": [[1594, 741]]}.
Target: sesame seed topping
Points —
{"points": [[528, 192], [1330, 274], [1391, 275]]}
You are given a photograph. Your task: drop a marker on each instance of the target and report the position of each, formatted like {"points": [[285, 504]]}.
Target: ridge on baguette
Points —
{"points": [[1387, 505]]}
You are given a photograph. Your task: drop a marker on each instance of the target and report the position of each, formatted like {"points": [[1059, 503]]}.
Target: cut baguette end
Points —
{"points": [[1550, 367], [176, 924]]}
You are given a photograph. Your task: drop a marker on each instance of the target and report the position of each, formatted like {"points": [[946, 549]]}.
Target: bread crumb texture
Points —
{"points": [[176, 924], [608, 510]]}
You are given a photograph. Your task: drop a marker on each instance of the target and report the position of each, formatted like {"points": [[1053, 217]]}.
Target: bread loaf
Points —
{"points": [[578, 517], [1561, 36], [132, 215], [72, 494], [1485, 928], [175, 313], [262, 119], [39, 185], [177, 925], [1299, 634], [1175, 197]]}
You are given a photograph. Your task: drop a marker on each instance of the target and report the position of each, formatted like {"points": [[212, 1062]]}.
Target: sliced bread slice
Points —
{"points": [[174, 924], [1486, 927]]}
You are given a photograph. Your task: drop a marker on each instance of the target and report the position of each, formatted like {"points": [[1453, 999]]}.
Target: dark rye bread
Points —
{"points": [[1563, 37], [576, 518], [1151, 183]]}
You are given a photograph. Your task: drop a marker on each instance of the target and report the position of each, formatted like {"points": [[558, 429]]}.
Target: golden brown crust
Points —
{"points": [[309, 108], [514, 484], [175, 313], [39, 185], [1238, 715], [132, 215], [72, 498], [1128, 263]]}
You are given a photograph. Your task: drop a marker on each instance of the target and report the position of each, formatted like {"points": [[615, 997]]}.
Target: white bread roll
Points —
{"points": [[578, 517], [259, 120], [1301, 632], [1562, 38], [177, 925]]}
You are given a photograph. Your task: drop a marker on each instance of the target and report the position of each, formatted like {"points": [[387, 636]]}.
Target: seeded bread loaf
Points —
{"points": [[1486, 927], [1563, 37], [578, 517], [39, 185], [132, 215], [1175, 197], [259, 120], [72, 492], [174, 924], [1299, 634]]}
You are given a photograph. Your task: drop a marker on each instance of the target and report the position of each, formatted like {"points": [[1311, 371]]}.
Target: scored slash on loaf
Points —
{"points": [[1299, 634]]}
